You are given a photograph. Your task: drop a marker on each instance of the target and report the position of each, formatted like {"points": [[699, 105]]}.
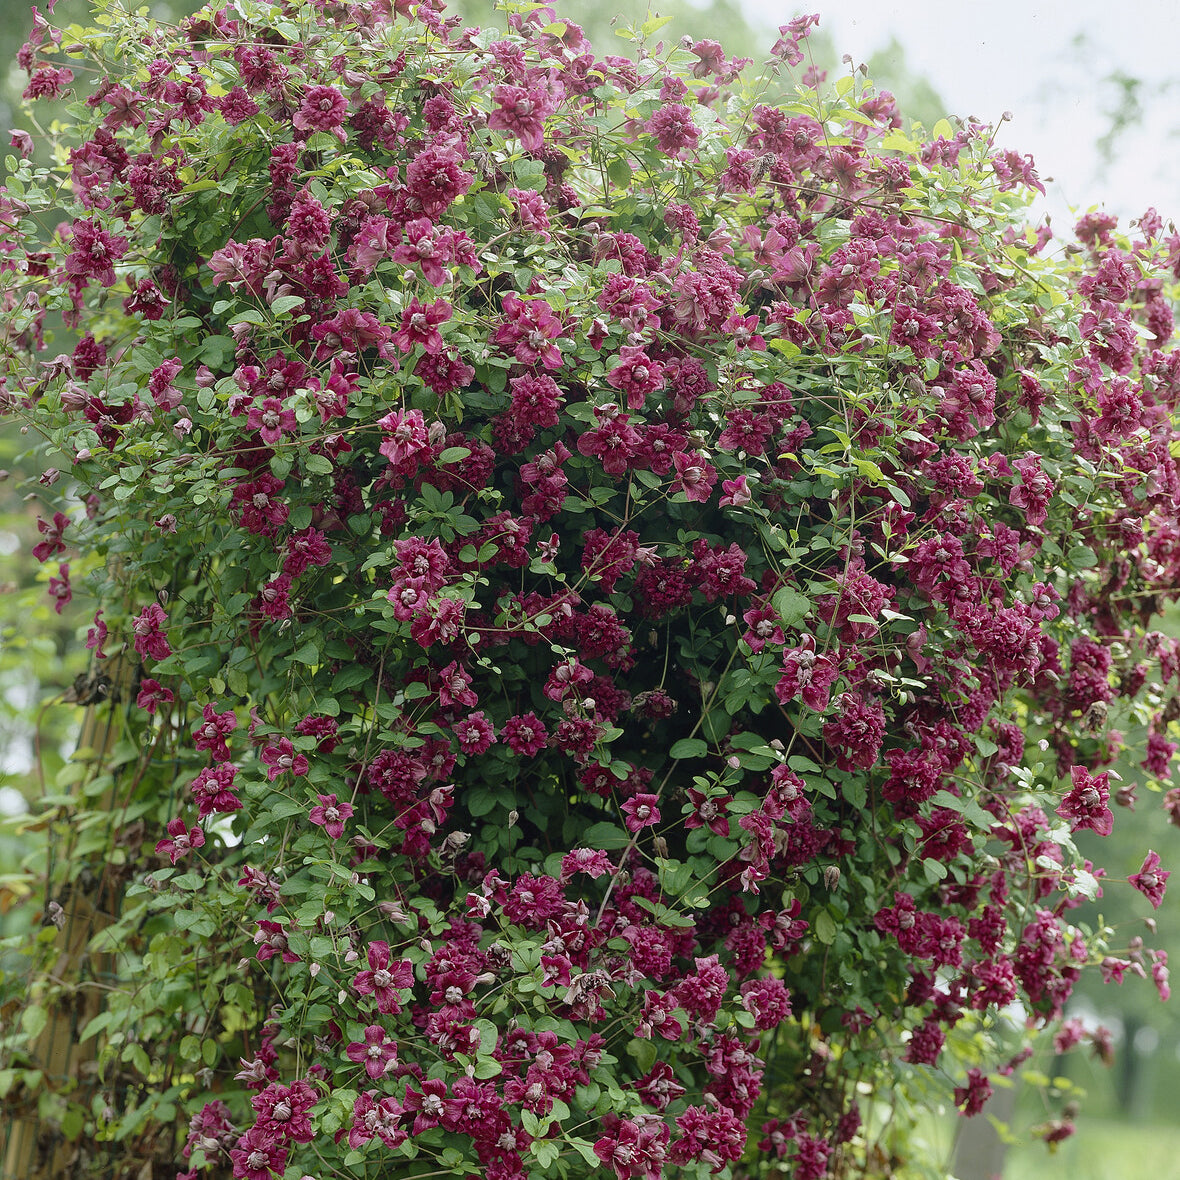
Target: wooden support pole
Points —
{"points": [[37, 1149]]}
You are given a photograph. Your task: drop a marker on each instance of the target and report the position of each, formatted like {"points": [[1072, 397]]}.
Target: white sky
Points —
{"points": [[1043, 60]]}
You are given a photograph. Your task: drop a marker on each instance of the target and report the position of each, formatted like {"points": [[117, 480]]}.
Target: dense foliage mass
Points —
{"points": [[623, 592]]}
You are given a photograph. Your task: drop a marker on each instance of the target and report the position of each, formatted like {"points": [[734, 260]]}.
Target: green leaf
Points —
{"points": [[935, 870], [688, 748], [98, 1023], [318, 464], [791, 606], [825, 927], [72, 1122], [286, 303], [644, 1053], [605, 836], [619, 171], [216, 351], [307, 654], [33, 1020], [546, 1152], [350, 676]]}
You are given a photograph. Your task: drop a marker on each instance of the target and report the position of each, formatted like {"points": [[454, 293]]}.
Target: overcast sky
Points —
{"points": [[1045, 62]]}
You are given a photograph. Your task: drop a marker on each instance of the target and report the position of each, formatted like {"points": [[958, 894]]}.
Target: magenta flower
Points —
{"points": [[972, 1097], [767, 1000], [150, 640], [48, 82], [525, 734], [349, 332], [374, 1115], [212, 790], [405, 436], [258, 1155], [1085, 805], [521, 112], [323, 109], [1159, 973], [737, 494], [636, 375], [330, 815], [592, 861], [52, 532], [152, 695], [378, 1055], [708, 813], [211, 733], [475, 733], [434, 178], [1113, 969], [282, 758], [528, 328], [271, 940], [695, 476], [807, 675], [384, 979], [674, 129], [182, 840], [454, 687], [1151, 879], [93, 252], [1034, 492], [641, 811], [632, 1149], [60, 589], [271, 420], [419, 325], [429, 1105]]}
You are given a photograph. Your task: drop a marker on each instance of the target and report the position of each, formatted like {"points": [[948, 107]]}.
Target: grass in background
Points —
{"points": [[1102, 1149]]}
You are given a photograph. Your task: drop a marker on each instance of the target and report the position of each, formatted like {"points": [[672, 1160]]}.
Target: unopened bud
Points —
{"points": [[832, 876], [394, 911], [513, 816]]}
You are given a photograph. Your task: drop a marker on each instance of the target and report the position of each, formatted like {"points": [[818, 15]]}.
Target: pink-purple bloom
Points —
{"points": [[330, 815]]}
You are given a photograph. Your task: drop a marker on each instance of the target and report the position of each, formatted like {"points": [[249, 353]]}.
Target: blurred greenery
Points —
{"points": [[1105, 1151]]}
